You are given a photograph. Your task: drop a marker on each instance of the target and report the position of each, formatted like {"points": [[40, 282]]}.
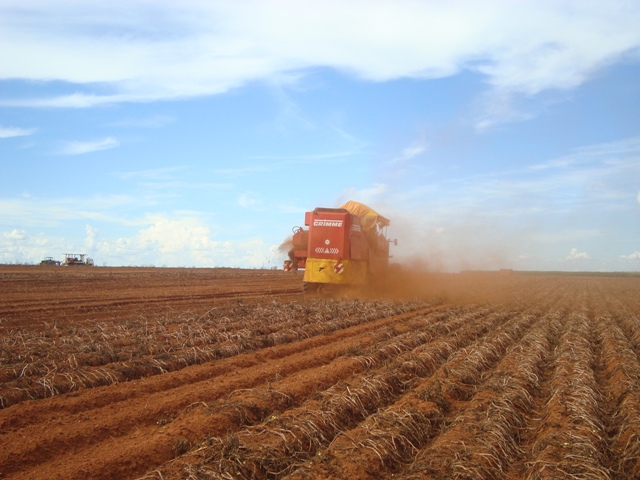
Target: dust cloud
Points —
{"points": [[449, 248], [460, 261], [416, 282], [285, 246]]}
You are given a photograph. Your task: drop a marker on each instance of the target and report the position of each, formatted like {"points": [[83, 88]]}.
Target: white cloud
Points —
{"points": [[202, 48], [240, 170], [15, 235], [574, 254], [76, 100], [162, 241], [92, 235], [176, 236], [33, 211], [250, 201], [19, 246], [81, 148], [164, 173], [580, 198], [158, 121], [287, 161], [180, 241], [413, 150], [595, 178], [610, 153], [9, 132], [498, 107], [633, 256]]}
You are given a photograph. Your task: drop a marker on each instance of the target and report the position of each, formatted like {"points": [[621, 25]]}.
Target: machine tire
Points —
{"points": [[310, 288]]}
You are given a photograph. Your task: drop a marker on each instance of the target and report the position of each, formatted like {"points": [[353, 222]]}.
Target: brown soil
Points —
{"points": [[224, 373]]}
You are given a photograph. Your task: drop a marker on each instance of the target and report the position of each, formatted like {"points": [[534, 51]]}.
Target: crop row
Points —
{"points": [[490, 411], [395, 435], [37, 364], [621, 371], [285, 441]]}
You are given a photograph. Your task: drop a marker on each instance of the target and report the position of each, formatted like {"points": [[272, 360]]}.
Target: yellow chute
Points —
{"points": [[369, 218]]}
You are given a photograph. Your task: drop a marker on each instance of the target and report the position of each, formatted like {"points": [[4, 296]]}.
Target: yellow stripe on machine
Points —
{"points": [[321, 270]]}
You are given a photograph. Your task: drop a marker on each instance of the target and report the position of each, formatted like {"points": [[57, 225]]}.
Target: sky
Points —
{"points": [[493, 134]]}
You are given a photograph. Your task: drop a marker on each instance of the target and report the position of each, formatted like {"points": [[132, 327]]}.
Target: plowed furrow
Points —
{"points": [[52, 363], [620, 379], [249, 406], [93, 418], [274, 448], [484, 436], [394, 436], [571, 437]]}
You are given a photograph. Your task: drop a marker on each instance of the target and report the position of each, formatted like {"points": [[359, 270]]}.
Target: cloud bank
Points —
{"points": [[124, 51], [9, 132], [81, 148], [162, 241]]}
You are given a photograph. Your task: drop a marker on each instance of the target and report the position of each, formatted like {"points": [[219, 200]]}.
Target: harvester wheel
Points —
{"points": [[310, 288]]}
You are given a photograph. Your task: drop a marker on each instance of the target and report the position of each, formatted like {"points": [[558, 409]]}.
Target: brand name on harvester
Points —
{"points": [[327, 223]]}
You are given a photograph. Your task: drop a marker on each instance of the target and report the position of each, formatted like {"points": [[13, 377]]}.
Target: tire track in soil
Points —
{"points": [[125, 429]]}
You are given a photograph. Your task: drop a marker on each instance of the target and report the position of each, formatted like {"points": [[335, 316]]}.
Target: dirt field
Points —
{"points": [[111, 373]]}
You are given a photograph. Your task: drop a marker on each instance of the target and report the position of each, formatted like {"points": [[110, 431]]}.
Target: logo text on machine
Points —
{"points": [[321, 222]]}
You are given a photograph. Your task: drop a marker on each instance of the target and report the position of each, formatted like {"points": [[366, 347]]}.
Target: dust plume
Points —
{"points": [[459, 261], [286, 245], [448, 248]]}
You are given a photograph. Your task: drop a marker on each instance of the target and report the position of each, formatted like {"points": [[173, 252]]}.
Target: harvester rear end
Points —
{"points": [[340, 247]]}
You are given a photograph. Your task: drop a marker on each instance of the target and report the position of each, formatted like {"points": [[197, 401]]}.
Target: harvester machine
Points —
{"points": [[77, 259], [340, 246]]}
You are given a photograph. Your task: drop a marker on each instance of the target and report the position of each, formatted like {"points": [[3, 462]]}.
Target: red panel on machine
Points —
{"points": [[328, 233]]}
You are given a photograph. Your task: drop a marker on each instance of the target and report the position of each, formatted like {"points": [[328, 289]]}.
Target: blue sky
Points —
{"points": [[494, 134]]}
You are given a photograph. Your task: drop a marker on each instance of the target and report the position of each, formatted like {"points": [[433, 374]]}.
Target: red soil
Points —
{"points": [[178, 373]]}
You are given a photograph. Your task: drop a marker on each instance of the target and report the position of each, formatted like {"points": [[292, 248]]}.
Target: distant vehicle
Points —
{"points": [[77, 259], [50, 261]]}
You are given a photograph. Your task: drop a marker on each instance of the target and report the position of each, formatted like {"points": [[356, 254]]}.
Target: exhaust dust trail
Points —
{"points": [[454, 247]]}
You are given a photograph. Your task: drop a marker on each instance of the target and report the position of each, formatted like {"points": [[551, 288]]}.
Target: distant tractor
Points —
{"points": [[341, 246], [50, 261], [77, 259]]}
